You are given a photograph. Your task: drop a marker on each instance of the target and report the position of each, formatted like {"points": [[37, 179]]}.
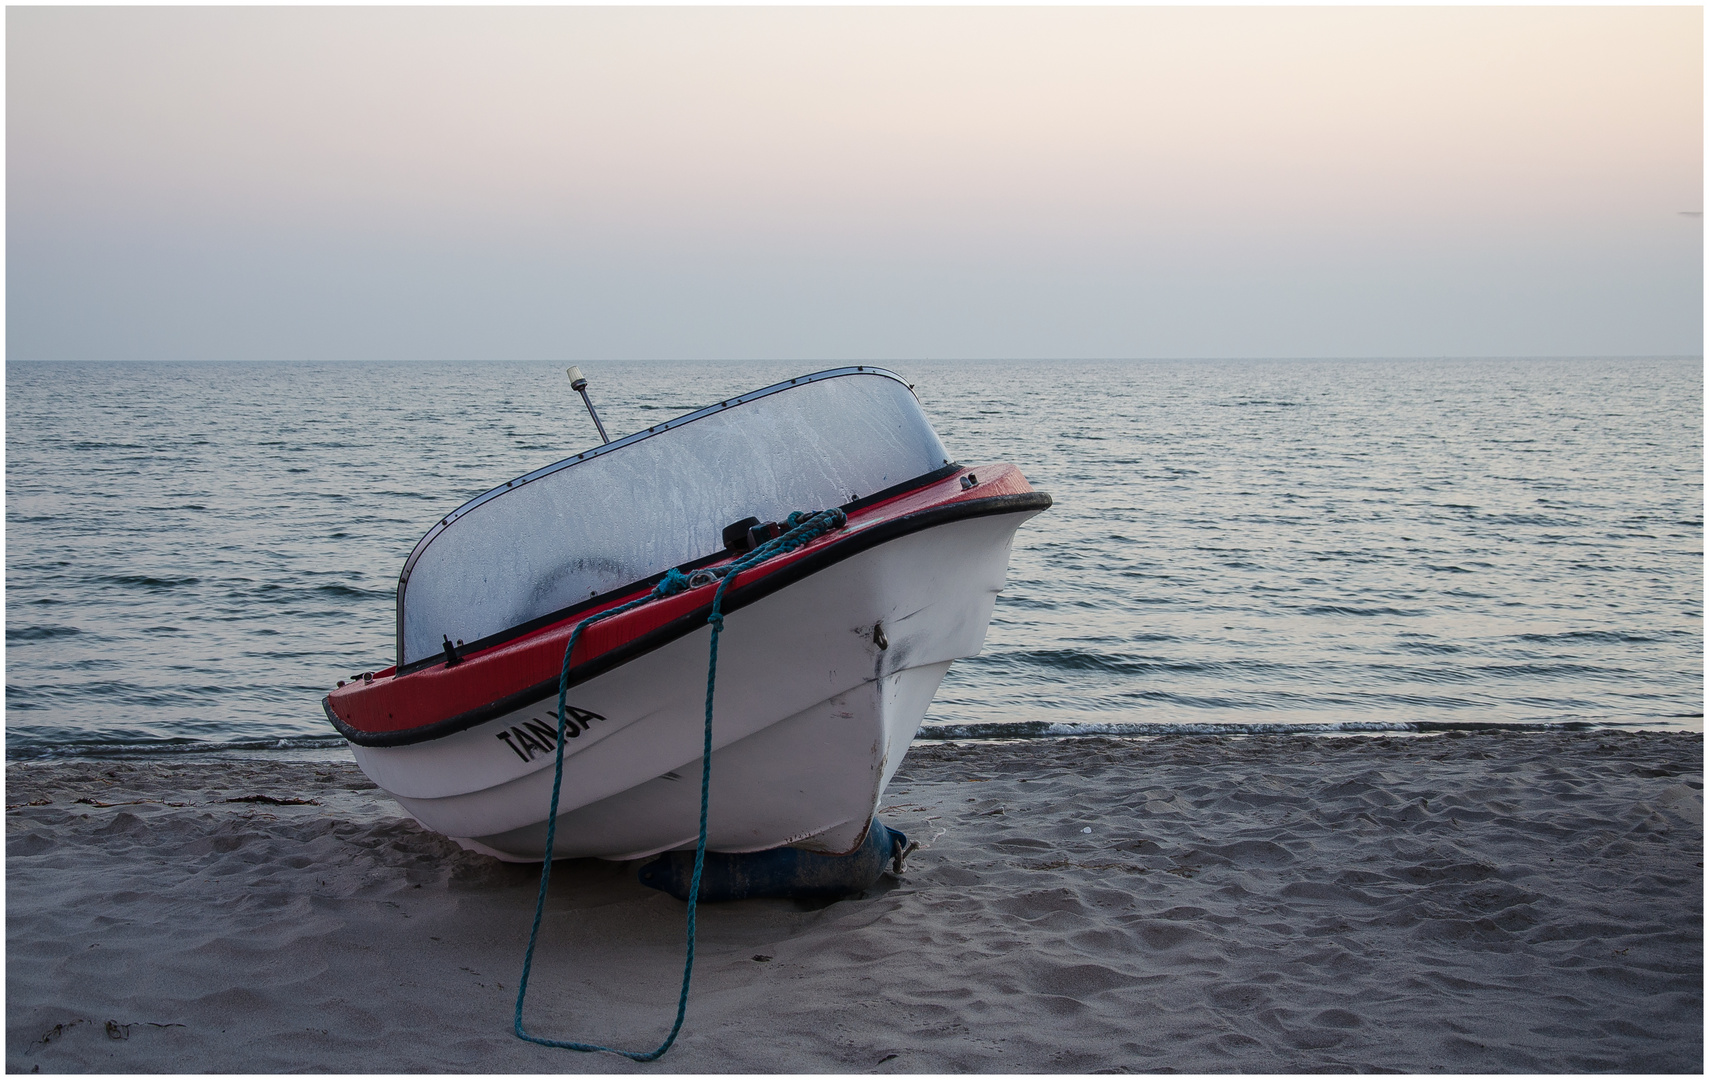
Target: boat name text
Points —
{"points": [[533, 737]]}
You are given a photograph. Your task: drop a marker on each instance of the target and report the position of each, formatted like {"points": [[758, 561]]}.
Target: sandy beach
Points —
{"points": [[1462, 903]]}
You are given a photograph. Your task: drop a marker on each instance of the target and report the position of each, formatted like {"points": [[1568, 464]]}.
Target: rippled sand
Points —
{"points": [[1490, 902]]}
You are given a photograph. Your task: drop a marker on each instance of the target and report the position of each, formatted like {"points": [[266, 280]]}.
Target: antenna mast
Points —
{"points": [[578, 383]]}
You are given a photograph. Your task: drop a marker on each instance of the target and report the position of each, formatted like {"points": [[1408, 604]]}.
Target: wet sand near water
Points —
{"points": [[1497, 902]]}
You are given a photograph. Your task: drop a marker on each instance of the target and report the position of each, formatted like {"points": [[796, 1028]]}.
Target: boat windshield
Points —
{"points": [[659, 498]]}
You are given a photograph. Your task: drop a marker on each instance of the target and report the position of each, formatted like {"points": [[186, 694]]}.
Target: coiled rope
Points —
{"points": [[802, 528]]}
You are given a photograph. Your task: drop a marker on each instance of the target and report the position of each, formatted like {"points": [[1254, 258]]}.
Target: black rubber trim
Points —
{"points": [[604, 598], [734, 600], [524, 629], [942, 472]]}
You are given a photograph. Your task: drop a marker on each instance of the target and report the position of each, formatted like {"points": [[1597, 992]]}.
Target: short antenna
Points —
{"points": [[578, 383]]}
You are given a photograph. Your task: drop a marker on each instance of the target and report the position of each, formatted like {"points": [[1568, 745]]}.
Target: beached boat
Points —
{"points": [[828, 658]]}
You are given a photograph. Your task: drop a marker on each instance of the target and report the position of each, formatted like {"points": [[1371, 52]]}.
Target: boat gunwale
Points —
{"points": [[742, 594], [606, 599], [599, 451]]}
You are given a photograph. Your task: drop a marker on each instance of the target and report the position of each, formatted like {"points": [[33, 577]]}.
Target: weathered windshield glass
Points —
{"points": [[658, 499]]}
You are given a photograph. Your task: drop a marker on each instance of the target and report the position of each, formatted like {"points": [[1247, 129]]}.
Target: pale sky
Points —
{"points": [[841, 184]]}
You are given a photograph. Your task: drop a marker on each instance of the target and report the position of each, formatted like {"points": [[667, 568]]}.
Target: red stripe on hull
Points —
{"points": [[435, 694]]}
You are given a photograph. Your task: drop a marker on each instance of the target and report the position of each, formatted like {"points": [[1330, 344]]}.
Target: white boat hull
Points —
{"points": [[812, 717]]}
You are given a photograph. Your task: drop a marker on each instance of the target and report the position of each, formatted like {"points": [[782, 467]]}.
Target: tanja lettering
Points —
{"points": [[541, 736]]}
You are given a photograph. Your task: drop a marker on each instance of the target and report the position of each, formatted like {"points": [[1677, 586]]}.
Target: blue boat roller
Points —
{"points": [[784, 872]]}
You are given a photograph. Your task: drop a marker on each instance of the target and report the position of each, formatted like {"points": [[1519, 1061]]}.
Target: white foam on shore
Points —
{"points": [[1468, 903], [1056, 729]]}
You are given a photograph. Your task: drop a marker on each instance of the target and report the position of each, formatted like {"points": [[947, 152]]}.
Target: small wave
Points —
{"points": [[1545, 671], [342, 591], [351, 591], [1546, 520], [39, 633], [147, 581], [109, 748], [115, 692], [1608, 637], [1114, 664], [1047, 729], [1430, 646], [1348, 609], [1025, 602]]}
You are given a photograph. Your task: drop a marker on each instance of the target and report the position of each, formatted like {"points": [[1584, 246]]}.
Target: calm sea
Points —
{"points": [[196, 552]]}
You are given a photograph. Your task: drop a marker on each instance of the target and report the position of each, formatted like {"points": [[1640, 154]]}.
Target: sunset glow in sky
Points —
{"points": [[827, 184]]}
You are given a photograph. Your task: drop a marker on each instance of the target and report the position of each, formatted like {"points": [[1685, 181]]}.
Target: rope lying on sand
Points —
{"points": [[803, 528]]}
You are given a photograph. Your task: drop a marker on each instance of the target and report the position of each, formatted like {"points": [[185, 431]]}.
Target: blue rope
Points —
{"points": [[802, 529]]}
